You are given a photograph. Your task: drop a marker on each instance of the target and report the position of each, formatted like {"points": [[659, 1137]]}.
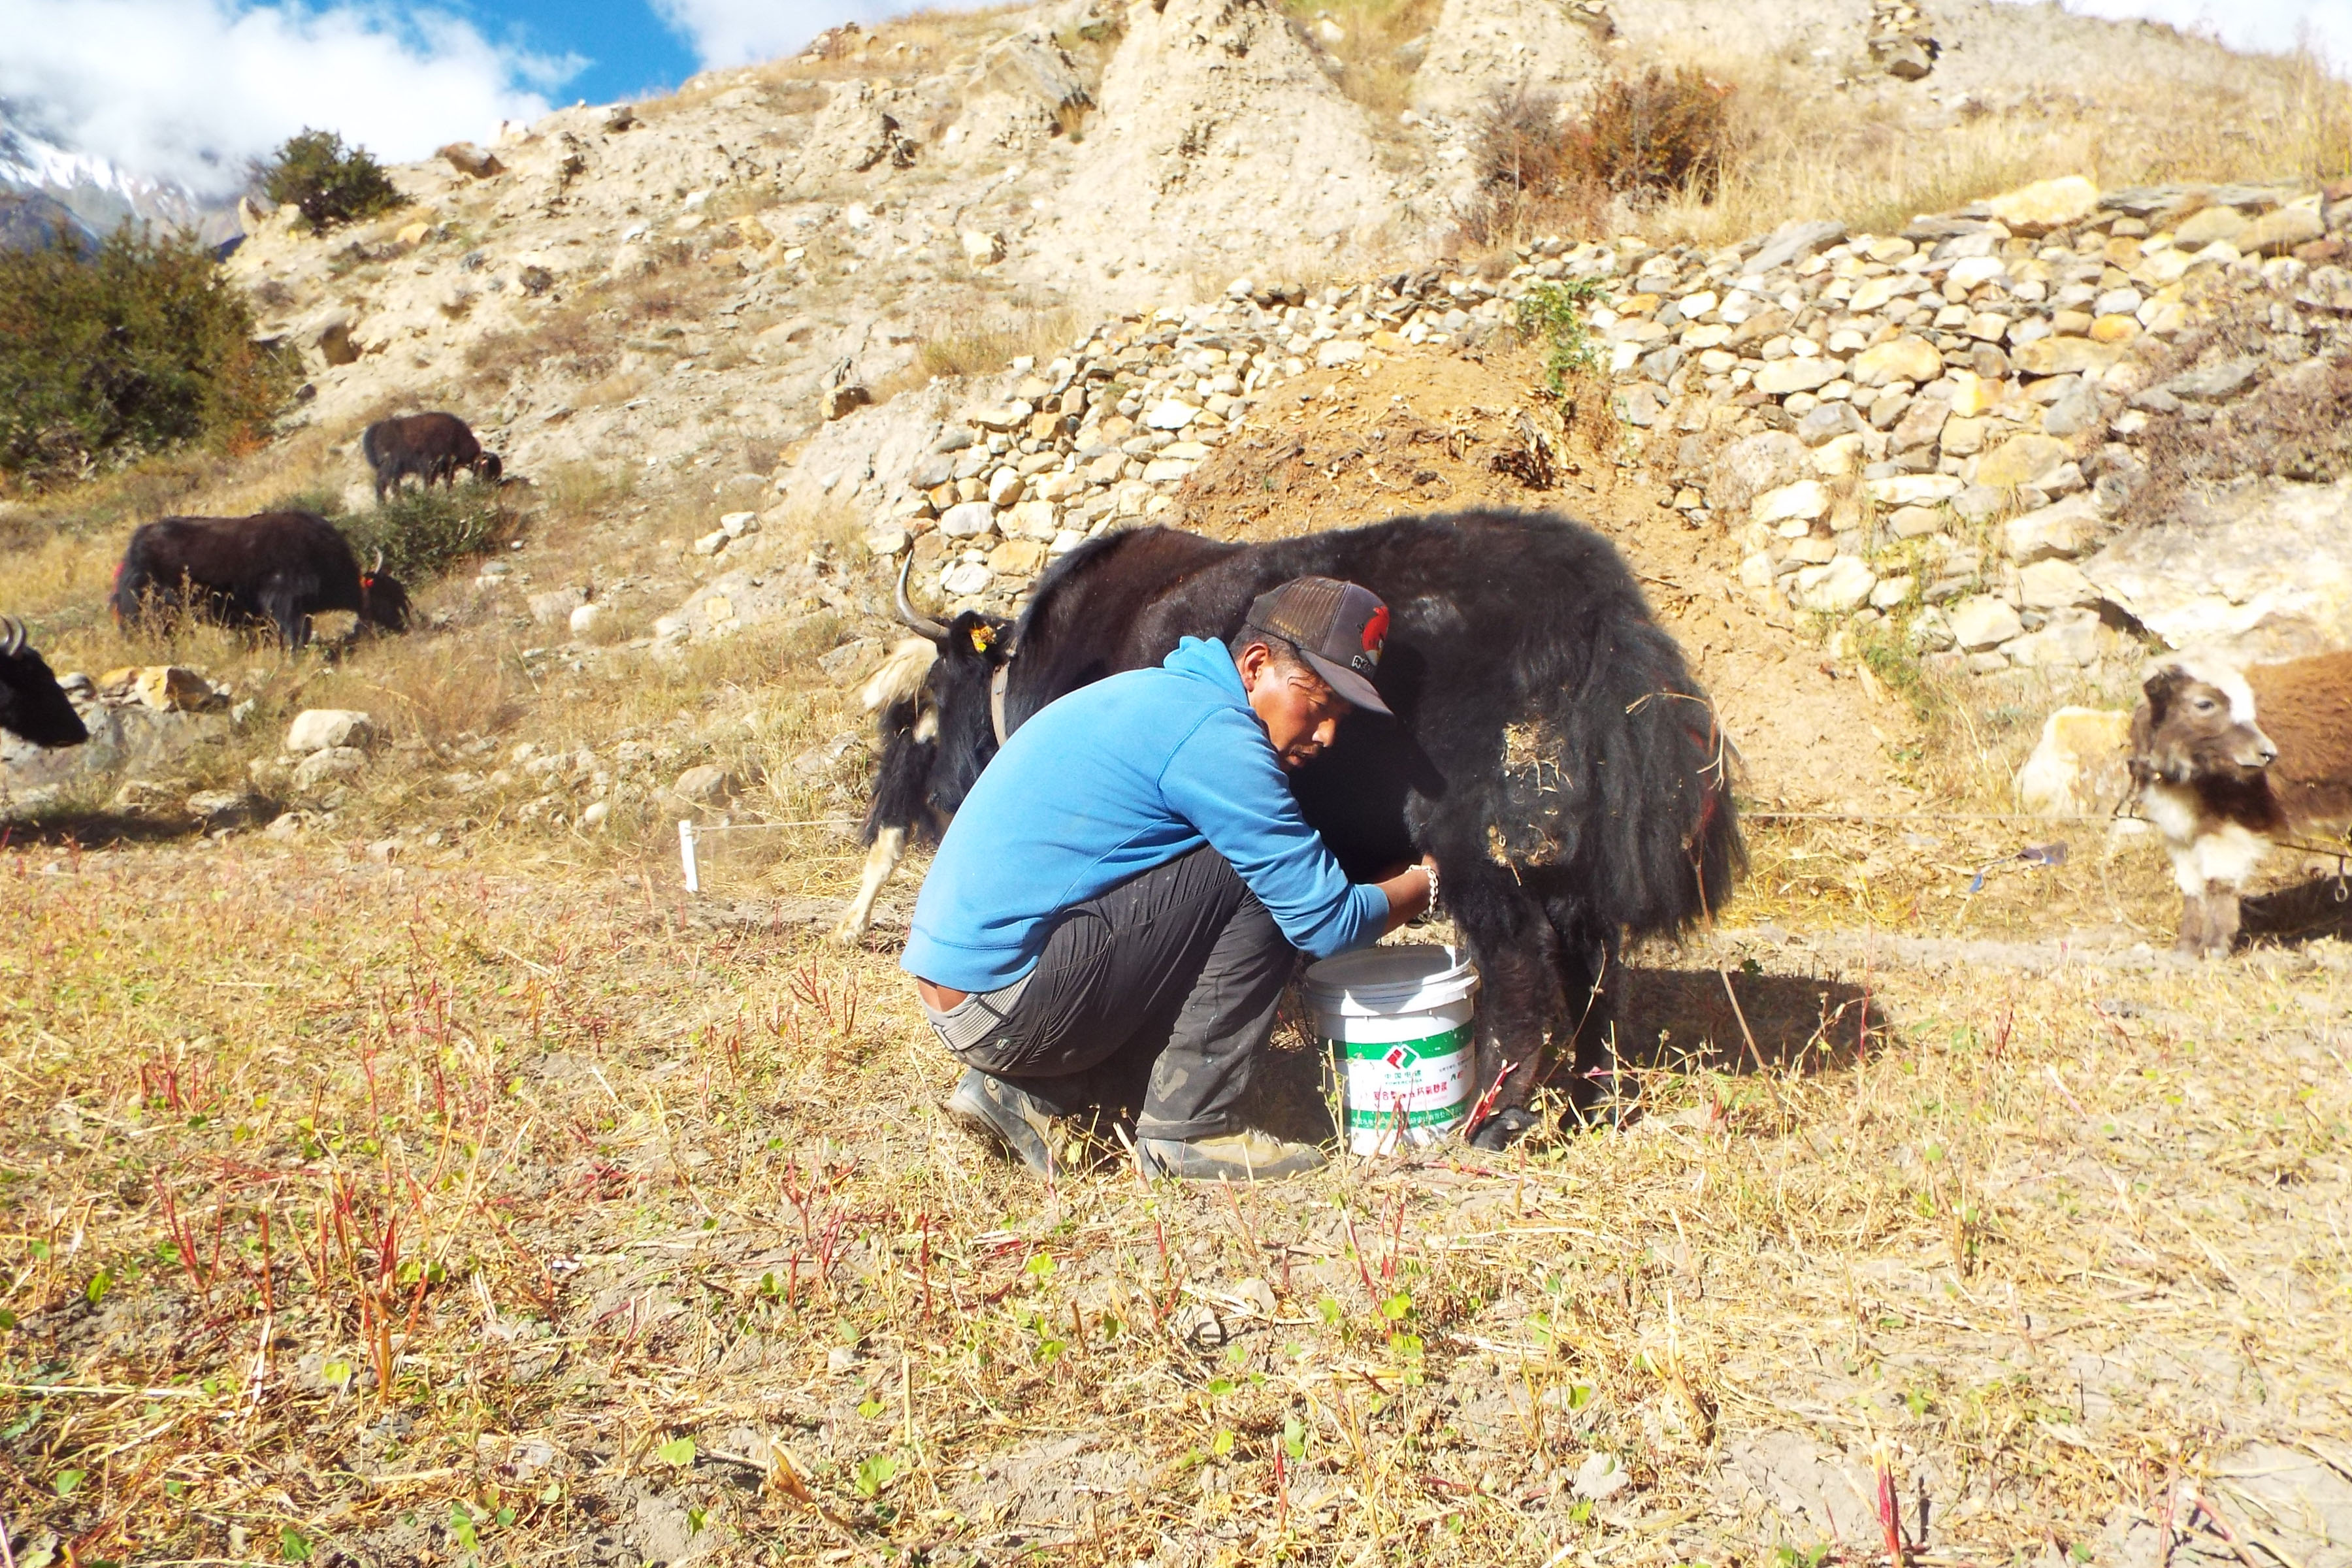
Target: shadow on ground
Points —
{"points": [[1675, 1019], [97, 829], [1684, 1019], [2308, 911]]}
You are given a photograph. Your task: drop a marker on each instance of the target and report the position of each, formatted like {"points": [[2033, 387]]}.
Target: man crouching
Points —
{"points": [[1123, 893]]}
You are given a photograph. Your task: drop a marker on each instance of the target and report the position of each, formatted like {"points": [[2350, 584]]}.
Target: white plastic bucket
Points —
{"points": [[1400, 1021]]}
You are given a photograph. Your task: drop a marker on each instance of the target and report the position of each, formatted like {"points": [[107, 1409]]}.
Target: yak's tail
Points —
{"points": [[909, 746], [901, 674], [1662, 848]]}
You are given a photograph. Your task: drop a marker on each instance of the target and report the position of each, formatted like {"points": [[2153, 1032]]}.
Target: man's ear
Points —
{"points": [[1250, 661]]}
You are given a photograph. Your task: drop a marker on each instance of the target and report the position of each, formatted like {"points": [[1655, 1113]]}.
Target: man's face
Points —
{"points": [[1301, 714]]}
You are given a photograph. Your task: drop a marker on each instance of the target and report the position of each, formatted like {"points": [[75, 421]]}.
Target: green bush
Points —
{"points": [[331, 183], [1555, 313], [424, 533], [134, 350]]}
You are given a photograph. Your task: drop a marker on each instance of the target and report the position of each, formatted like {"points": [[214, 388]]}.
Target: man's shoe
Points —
{"points": [[1007, 1120], [1245, 1156]]}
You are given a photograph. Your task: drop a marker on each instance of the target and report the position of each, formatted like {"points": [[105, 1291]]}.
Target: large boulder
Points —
{"points": [[2077, 769], [2046, 204], [1751, 465], [323, 729], [2263, 571], [331, 765], [128, 739]]}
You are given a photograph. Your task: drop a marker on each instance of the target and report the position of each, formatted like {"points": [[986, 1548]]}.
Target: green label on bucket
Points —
{"points": [[1424, 1081]]}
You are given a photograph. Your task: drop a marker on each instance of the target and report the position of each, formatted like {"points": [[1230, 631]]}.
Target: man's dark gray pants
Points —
{"points": [[1171, 977]]}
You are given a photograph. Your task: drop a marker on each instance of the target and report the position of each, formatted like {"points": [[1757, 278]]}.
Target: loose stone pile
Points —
{"points": [[1924, 436], [1106, 434], [1904, 424], [1900, 41]]}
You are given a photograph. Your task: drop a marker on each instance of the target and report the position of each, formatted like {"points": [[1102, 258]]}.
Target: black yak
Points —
{"points": [[428, 447], [1550, 746], [275, 569], [32, 705]]}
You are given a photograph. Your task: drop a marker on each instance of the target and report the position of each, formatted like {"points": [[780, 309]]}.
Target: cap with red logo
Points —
{"points": [[1338, 627]]}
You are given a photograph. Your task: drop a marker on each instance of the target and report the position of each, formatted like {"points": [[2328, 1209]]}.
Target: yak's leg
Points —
{"points": [[2220, 919], [1519, 1002], [2191, 939], [1591, 983], [279, 607], [890, 848]]}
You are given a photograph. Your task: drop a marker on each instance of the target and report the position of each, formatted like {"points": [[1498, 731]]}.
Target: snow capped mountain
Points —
{"points": [[98, 196]]}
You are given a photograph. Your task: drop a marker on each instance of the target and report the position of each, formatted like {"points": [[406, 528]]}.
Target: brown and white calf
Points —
{"points": [[2225, 762]]}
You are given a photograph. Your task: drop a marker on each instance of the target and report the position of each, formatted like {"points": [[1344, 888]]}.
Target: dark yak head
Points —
{"points": [[488, 468], [2197, 721], [950, 710], [32, 704], [382, 601]]}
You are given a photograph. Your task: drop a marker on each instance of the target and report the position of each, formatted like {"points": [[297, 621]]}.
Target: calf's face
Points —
{"points": [[2199, 723]]}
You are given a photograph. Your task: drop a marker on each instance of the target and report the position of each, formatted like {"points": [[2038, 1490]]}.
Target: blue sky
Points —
{"points": [[623, 47], [189, 89]]}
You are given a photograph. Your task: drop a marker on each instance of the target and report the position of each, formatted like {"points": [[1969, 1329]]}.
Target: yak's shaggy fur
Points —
{"points": [[274, 569], [427, 448], [33, 706], [2226, 762], [1549, 747]]}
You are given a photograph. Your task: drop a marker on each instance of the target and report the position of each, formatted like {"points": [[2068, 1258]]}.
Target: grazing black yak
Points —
{"points": [[275, 569], [429, 447]]}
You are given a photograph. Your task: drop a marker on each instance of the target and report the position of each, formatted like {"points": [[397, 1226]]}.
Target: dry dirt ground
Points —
{"points": [[489, 1200], [1429, 431]]}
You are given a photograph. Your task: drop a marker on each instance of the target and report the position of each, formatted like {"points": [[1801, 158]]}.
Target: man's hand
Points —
{"points": [[1409, 892]]}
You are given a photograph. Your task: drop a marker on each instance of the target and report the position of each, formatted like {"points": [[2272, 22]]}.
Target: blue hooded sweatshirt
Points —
{"points": [[1113, 779]]}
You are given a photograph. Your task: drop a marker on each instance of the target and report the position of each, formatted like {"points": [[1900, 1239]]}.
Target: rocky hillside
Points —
{"points": [[849, 218], [977, 288]]}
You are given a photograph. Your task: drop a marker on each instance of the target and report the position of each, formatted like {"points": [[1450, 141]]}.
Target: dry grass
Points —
{"points": [[1370, 70], [985, 346], [476, 1194], [492, 1196], [1804, 151]]}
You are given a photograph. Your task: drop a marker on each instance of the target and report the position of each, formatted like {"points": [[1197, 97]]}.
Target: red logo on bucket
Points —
{"points": [[1398, 1056]]}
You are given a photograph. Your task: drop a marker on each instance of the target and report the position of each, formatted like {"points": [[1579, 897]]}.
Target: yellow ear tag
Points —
{"points": [[981, 637]]}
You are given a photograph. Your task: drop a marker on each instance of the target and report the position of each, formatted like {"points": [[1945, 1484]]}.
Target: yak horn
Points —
{"points": [[909, 614], [12, 636], [379, 564]]}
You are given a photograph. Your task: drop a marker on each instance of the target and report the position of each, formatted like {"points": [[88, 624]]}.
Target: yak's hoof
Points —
{"points": [[1503, 1128]]}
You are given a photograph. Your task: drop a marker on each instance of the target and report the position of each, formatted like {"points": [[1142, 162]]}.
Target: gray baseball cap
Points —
{"points": [[1338, 627]]}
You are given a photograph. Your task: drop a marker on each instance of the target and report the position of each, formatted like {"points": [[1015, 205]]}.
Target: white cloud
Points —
{"points": [[737, 32], [2270, 26], [190, 90]]}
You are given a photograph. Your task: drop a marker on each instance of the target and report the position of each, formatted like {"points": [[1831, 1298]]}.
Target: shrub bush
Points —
{"points": [[424, 533], [331, 183], [1658, 135], [133, 350]]}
